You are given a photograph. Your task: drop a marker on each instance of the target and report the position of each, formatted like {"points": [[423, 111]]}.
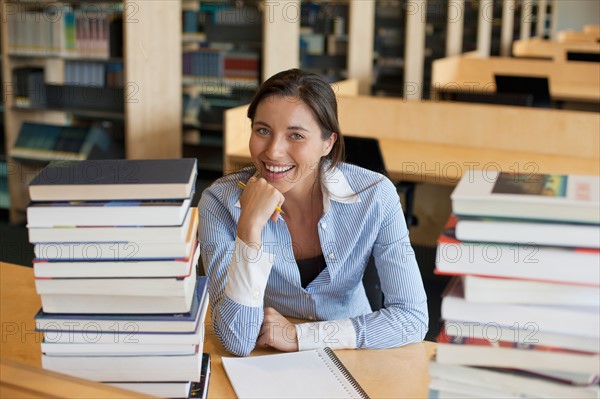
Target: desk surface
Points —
{"points": [[389, 373], [445, 164]]}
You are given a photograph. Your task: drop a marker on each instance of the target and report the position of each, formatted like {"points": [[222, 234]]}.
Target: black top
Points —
{"points": [[310, 269]]}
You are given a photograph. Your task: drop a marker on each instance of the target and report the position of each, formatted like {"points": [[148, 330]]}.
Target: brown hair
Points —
{"points": [[317, 94]]}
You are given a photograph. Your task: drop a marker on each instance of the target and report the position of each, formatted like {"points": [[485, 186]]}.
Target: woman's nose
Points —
{"points": [[275, 148]]}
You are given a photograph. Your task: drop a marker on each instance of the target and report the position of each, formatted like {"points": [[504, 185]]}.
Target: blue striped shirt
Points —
{"points": [[362, 216]]}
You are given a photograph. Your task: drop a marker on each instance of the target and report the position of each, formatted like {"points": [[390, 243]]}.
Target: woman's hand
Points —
{"points": [[259, 202], [277, 332]]}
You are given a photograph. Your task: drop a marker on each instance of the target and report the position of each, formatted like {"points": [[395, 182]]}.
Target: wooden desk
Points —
{"points": [[437, 142], [569, 81], [557, 51], [21, 375], [389, 373]]}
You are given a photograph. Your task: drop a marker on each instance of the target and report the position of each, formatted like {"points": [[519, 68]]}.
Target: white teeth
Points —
{"points": [[278, 169]]}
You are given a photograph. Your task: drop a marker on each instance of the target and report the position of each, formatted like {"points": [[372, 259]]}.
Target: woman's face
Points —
{"points": [[286, 144]]}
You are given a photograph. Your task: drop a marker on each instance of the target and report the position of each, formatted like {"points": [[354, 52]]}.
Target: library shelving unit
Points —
{"points": [[388, 68], [221, 68], [324, 38], [73, 64]]}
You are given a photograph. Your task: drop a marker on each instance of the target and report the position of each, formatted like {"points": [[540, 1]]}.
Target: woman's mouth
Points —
{"points": [[276, 172]]}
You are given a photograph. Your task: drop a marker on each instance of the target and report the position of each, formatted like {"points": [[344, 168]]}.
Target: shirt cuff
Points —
{"points": [[336, 334], [248, 274]]}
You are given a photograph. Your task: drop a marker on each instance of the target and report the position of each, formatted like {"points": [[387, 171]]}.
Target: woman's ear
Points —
{"points": [[329, 144]]}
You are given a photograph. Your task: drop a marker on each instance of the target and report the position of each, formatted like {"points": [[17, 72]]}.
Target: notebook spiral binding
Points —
{"points": [[340, 366]]}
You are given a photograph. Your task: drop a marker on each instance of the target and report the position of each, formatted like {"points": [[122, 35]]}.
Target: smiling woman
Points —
{"points": [[307, 261]]}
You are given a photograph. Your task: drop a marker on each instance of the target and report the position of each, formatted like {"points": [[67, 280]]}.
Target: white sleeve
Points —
{"points": [[248, 274], [336, 334]]}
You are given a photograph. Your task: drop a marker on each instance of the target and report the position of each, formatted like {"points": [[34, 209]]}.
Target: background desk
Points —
{"points": [[568, 80], [437, 142], [389, 373]]}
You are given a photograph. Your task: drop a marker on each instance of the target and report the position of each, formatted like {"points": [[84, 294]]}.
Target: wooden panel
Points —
{"points": [[544, 131], [152, 31], [281, 32], [348, 87], [360, 43]]}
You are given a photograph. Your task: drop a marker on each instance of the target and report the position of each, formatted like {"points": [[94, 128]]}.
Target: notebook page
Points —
{"points": [[306, 374]]}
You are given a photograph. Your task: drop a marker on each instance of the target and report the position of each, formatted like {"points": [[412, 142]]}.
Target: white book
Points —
{"points": [[120, 349], [572, 198], [574, 320], [158, 389], [128, 328], [107, 213], [502, 290], [108, 268], [526, 232], [531, 262], [150, 286], [456, 390], [521, 335], [120, 304], [127, 368], [314, 373], [511, 383], [138, 234], [119, 251], [528, 358], [124, 335]]}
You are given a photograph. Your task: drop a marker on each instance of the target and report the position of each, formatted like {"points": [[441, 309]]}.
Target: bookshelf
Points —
{"points": [[324, 38], [221, 68], [114, 63]]}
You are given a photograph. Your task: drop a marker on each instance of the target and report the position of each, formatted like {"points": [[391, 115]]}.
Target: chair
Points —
{"points": [[516, 99], [580, 56], [365, 152], [538, 87]]}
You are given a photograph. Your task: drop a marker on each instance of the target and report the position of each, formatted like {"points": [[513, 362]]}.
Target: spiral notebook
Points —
{"points": [[316, 373]]}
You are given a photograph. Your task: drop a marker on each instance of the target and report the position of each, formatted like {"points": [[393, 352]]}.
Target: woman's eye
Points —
{"points": [[297, 136], [262, 131]]}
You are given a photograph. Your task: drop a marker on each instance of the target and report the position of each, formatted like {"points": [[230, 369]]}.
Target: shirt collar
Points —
{"points": [[335, 188]]}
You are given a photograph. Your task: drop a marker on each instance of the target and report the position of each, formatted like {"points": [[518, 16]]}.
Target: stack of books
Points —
{"points": [[522, 315], [116, 268]]}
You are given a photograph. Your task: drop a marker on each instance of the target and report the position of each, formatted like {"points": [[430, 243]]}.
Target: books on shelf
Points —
{"points": [[67, 31], [572, 198], [522, 231], [139, 234], [44, 142], [115, 179]]}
